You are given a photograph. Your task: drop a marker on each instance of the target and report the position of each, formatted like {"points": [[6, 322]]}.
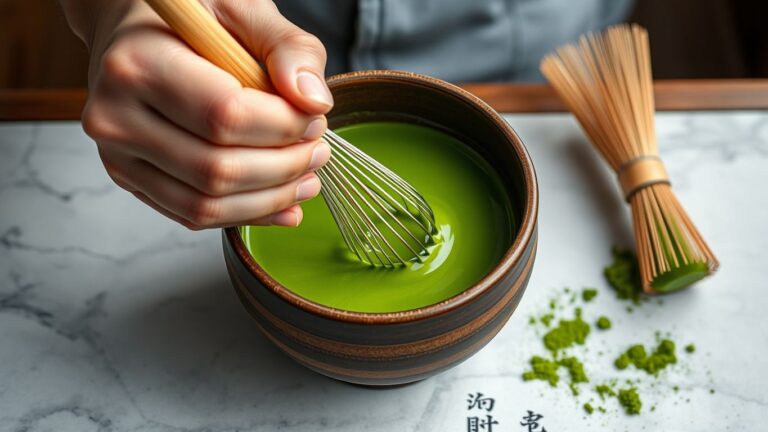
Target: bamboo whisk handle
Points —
{"points": [[641, 172], [198, 28]]}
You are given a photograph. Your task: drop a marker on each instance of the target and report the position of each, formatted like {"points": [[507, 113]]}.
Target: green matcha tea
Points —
{"points": [[473, 214]]}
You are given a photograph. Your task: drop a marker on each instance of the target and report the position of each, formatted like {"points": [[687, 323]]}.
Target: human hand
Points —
{"points": [[187, 139]]}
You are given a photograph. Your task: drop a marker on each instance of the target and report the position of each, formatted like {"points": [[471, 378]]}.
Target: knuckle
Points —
{"points": [[120, 181], [225, 117], [97, 124], [291, 131], [204, 211], [220, 173], [121, 68], [307, 42], [114, 173]]}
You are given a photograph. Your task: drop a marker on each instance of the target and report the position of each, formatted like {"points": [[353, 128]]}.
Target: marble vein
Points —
{"points": [[29, 421], [26, 176], [12, 239]]}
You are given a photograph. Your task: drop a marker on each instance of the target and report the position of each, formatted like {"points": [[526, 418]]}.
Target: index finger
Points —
{"points": [[198, 96]]}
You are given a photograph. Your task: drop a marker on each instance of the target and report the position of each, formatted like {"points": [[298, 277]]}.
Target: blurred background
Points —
{"points": [[689, 39]]}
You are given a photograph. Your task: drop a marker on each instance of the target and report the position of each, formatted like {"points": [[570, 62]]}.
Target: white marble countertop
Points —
{"points": [[113, 318]]}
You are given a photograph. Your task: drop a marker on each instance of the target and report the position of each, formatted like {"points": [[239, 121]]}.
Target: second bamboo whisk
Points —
{"points": [[605, 80]]}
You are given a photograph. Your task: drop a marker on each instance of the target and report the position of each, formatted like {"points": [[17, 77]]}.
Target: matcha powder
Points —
{"points": [[630, 400], [561, 363], [624, 275], [603, 323], [588, 294], [567, 333], [663, 356], [543, 369]]}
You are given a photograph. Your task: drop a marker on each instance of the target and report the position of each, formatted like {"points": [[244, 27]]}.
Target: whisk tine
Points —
{"points": [[374, 239], [352, 227], [351, 154], [348, 221], [384, 175], [373, 207]]}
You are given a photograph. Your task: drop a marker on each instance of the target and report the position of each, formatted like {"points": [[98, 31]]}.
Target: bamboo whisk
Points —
{"points": [[605, 80]]}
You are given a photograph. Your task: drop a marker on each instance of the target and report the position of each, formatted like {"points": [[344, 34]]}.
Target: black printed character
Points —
{"points": [[532, 421], [477, 400], [477, 424]]}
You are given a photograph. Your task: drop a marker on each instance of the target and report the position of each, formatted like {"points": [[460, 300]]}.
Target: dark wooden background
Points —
{"points": [[37, 49], [689, 38]]}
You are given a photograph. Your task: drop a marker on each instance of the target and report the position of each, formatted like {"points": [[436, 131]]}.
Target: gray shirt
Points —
{"points": [[456, 40]]}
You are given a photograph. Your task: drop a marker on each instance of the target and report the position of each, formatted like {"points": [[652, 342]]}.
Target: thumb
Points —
{"points": [[295, 59]]}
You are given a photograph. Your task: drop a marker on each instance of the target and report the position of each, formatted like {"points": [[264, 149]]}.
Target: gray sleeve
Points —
{"points": [[456, 40]]}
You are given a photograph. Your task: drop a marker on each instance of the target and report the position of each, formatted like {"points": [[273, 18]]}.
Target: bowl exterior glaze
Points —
{"points": [[401, 347]]}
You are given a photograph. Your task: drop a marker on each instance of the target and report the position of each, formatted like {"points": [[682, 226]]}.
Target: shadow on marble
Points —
{"points": [[196, 337], [602, 192]]}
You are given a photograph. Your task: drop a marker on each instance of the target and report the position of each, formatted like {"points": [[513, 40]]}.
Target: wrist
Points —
{"points": [[87, 18]]}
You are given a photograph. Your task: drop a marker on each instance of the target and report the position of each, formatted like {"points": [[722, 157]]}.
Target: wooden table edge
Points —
{"points": [[671, 95]]}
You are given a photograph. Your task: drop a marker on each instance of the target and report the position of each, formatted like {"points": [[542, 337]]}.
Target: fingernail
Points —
{"points": [[313, 87], [320, 155], [315, 129], [286, 218], [308, 188]]}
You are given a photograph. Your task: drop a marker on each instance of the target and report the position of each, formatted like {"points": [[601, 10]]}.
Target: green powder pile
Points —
{"points": [[567, 333], [546, 370], [546, 319], [588, 294], [561, 363], [624, 276], [575, 369], [543, 369], [663, 356], [603, 323], [630, 400], [575, 372], [604, 390], [628, 397], [588, 408]]}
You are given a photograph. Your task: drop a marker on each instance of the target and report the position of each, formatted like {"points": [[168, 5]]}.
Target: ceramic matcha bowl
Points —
{"points": [[387, 327]]}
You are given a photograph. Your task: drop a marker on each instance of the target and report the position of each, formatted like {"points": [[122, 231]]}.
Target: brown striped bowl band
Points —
{"points": [[381, 349]]}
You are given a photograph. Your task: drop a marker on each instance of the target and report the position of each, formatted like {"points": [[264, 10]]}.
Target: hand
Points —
{"points": [[187, 139]]}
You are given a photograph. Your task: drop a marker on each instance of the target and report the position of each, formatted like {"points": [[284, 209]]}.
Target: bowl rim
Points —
{"points": [[507, 263]]}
